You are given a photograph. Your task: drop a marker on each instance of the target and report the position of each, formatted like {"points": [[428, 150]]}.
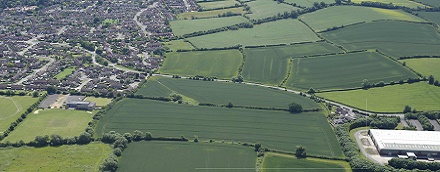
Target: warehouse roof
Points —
{"points": [[406, 140]]}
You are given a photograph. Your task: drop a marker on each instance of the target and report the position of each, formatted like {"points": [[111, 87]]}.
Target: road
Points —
{"points": [[51, 61], [142, 26]]}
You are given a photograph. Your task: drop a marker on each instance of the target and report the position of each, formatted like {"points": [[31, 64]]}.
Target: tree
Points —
{"points": [[238, 79], [84, 138], [300, 152], [431, 80], [121, 142], [407, 109], [56, 140], [117, 151], [35, 94], [148, 136], [109, 164], [338, 2], [295, 108], [51, 89], [311, 91], [230, 105], [128, 136], [366, 84], [436, 83], [138, 135], [41, 141]]}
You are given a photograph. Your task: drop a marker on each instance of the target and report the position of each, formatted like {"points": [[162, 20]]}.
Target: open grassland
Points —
{"points": [[12, 108], [397, 39], [307, 3], [209, 14], [64, 73], [223, 92], [431, 16], [425, 66], [403, 3], [432, 3], [357, 14], [279, 163], [420, 96], [66, 123], [262, 9], [345, 71], [63, 158], [178, 45], [221, 64], [181, 27], [101, 102], [273, 129], [277, 32], [185, 157], [270, 64], [217, 4]]}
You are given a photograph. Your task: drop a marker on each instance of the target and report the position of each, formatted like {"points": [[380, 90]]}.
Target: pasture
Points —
{"points": [[217, 4], [178, 45], [425, 66], [12, 108], [345, 71], [100, 102], [209, 14], [273, 162], [63, 158], [64, 73], [307, 3], [66, 123], [262, 9], [271, 33], [221, 64], [181, 27], [396, 39], [403, 3], [431, 16], [273, 129], [185, 157], [432, 3], [420, 96], [357, 14]]}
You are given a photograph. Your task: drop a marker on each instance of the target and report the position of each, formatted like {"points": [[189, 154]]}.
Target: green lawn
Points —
{"points": [[185, 157], [277, 162], [12, 108], [178, 45], [217, 4], [209, 14], [64, 73], [64, 158], [262, 9], [181, 27], [100, 102], [404, 3], [425, 66], [66, 123], [420, 96]]}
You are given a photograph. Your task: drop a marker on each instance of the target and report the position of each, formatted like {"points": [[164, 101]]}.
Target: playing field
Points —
{"points": [[209, 14], [217, 4], [262, 9], [274, 129], [279, 163], [181, 27], [277, 32], [221, 64], [404, 3], [432, 3], [270, 64], [222, 93], [397, 39], [345, 71], [185, 157], [357, 14], [420, 96], [64, 73], [431, 16], [12, 108], [178, 45], [63, 158], [66, 123], [100, 102], [425, 66], [307, 3]]}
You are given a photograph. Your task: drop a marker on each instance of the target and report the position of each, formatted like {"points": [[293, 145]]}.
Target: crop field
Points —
{"points": [[273, 129], [223, 92], [345, 71], [270, 64], [178, 45], [63, 158], [12, 108], [277, 32], [420, 96], [307, 3], [397, 39], [432, 3], [221, 64], [209, 14], [185, 157], [278, 163], [263, 9], [217, 4], [425, 66], [66, 123], [432, 16], [404, 3], [64, 73], [357, 14], [100, 102], [181, 27]]}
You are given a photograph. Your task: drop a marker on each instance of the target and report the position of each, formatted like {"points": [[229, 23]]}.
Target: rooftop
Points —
{"points": [[407, 140]]}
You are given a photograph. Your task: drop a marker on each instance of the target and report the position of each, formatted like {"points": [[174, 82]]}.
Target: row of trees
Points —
{"points": [[367, 84], [423, 119], [381, 122], [411, 164]]}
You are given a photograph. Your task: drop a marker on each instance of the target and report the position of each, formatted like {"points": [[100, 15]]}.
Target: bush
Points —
{"points": [[295, 108]]}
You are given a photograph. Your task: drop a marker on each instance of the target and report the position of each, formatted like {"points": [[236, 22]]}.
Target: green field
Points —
{"points": [[12, 108], [357, 14], [273, 129], [223, 92], [66, 123], [181, 27], [270, 64], [425, 66], [63, 158], [431, 16], [277, 32], [345, 71], [209, 14], [221, 64], [183, 157], [404, 3], [432, 3], [307, 3], [178, 45], [397, 39], [262, 9], [420, 96], [64, 73], [217, 4], [279, 163], [100, 102]]}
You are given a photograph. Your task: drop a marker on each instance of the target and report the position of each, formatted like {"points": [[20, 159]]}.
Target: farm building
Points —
{"points": [[81, 105], [402, 142]]}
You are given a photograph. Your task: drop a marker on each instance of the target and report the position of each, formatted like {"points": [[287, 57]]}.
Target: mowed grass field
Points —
{"points": [[217, 4], [420, 96], [185, 157], [221, 64], [64, 73], [270, 64], [209, 14], [223, 92], [425, 66], [262, 9], [345, 71], [12, 108], [178, 45], [66, 123], [357, 14], [278, 163], [431, 16], [181, 27], [277, 32], [404, 3], [307, 3], [273, 129], [100, 102], [63, 158], [397, 39]]}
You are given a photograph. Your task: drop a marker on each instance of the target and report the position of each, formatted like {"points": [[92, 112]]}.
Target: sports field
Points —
{"points": [[222, 93], [12, 108], [431, 16], [63, 158], [217, 4], [262, 9], [185, 157], [66, 123], [420, 96], [178, 45], [432, 3], [357, 14], [345, 71], [425, 66], [278, 163], [274, 129], [100, 102], [277, 32], [209, 14], [404, 3], [221, 64], [181, 27], [64, 73]]}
